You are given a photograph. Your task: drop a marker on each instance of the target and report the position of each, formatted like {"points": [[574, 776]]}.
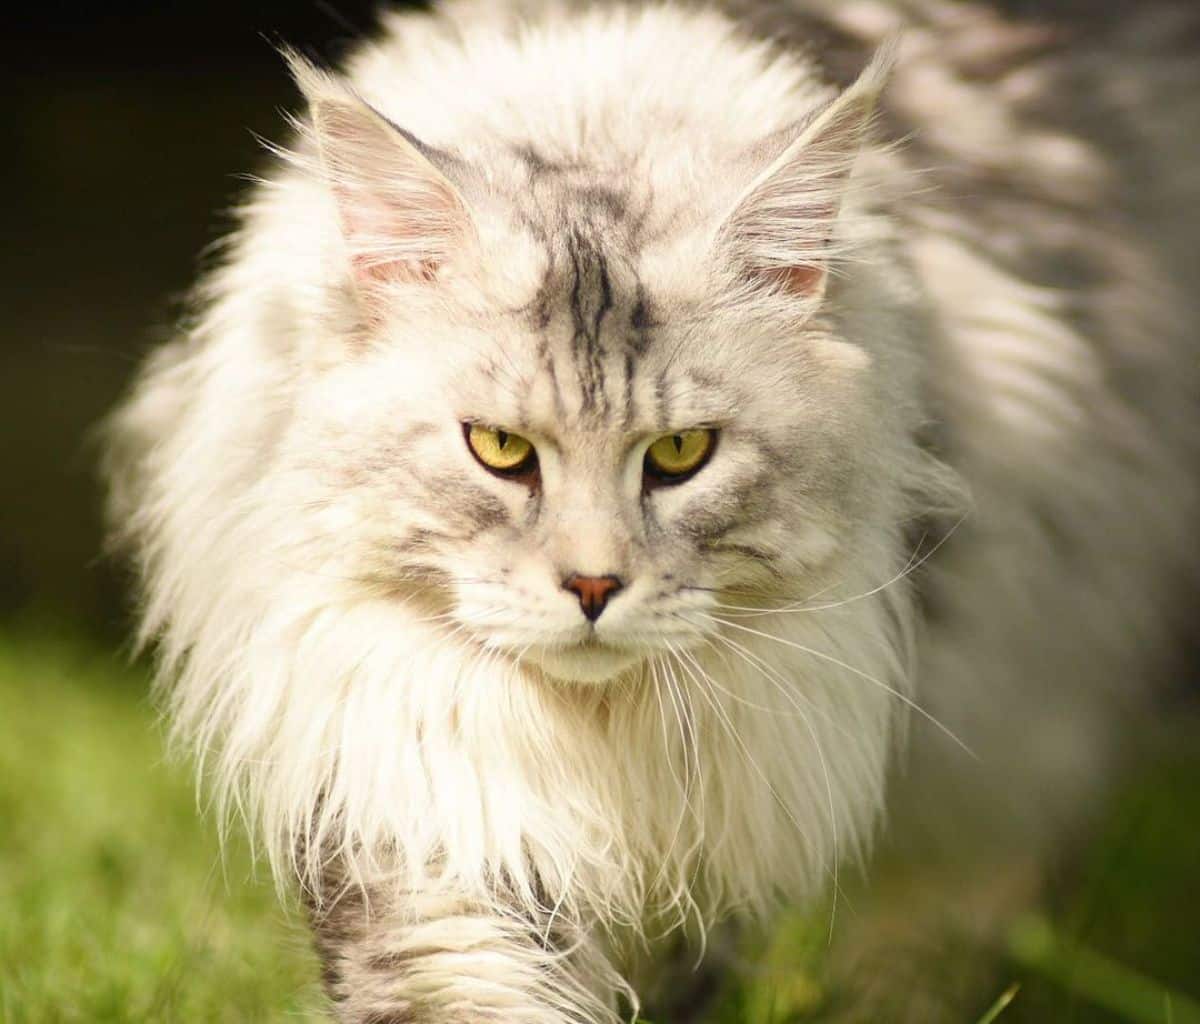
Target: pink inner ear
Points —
{"points": [[380, 237], [369, 267], [803, 281]]}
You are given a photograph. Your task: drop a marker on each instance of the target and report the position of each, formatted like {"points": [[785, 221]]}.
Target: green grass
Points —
{"points": [[116, 903]]}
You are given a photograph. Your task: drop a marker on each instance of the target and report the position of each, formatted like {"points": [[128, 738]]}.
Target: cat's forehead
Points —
{"points": [[603, 312], [604, 340], [603, 225]]}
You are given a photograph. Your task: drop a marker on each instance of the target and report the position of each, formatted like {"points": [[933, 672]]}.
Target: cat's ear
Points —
{"points": [[781, 233], [402, 217]]}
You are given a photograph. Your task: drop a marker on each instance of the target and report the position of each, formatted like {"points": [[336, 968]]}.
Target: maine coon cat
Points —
{"points": [[610, 424]]}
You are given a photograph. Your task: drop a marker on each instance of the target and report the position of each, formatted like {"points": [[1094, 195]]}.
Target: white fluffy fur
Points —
{"points": [[352, 714]]}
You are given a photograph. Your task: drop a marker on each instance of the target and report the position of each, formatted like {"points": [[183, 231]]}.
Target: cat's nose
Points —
{"points": [[593, 592]]}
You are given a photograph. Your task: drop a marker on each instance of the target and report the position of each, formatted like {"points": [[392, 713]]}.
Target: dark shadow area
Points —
{"points": [[129, 129]]}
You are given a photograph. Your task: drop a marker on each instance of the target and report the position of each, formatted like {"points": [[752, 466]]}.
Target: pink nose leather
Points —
{"points": [[593, 592]]}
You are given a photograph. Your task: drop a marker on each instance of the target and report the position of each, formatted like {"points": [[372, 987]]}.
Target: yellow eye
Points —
{"points": [[499, 450], [675, 456]]}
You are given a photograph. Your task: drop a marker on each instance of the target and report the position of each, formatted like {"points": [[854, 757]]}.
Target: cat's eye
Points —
{"points": [[500, 451], [675, 457]]}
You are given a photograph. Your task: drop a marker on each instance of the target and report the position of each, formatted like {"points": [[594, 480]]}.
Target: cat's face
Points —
{"points": [[606, 429], [558, 428]]}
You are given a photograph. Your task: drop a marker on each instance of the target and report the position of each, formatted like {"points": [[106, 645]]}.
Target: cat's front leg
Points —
{"points": [[438, 958]]}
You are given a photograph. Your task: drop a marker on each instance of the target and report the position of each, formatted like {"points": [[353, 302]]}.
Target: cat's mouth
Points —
{"points": [[590, 660]]}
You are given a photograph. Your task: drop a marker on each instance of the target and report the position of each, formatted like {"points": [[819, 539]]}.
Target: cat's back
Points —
{"points": [[1054, 238]]}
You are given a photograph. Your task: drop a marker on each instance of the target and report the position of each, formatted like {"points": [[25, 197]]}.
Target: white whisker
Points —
{"points": [[903, 698], [911, 566]]}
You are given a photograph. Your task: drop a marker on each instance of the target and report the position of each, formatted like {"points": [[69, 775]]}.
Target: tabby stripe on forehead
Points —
{"points": [[546, 358], [590, 302], [662, 401], [606, 302], [640, 322], [627, 416]]}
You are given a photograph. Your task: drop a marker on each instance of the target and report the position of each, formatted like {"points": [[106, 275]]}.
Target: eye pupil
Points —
{"points": [[500, 451], [675, 457]]}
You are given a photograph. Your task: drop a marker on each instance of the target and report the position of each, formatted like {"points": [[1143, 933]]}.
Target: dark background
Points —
{"points": [[127, 132]]}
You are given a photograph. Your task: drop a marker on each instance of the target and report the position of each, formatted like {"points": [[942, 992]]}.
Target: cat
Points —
{"points": [[612, 428]]}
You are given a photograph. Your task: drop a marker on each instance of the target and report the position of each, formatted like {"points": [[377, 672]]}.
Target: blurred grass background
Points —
{"points": [[115, 902], [128, 129]]}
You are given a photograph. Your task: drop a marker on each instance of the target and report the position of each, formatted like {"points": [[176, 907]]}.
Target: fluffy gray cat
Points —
{"points": [[611, 423]]}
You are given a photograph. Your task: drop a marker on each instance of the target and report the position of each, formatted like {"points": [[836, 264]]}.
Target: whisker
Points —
{"points": [[684, 784], [731, 731], [904, 698], [912, 565], [833, 820], [698, 841], [781, 683]]}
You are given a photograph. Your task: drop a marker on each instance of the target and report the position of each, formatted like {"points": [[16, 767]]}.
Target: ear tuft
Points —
{"points": [[781, 234], [402, 218]]}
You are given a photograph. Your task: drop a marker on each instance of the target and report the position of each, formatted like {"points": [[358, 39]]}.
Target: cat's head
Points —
{"points": [[582, 408]]}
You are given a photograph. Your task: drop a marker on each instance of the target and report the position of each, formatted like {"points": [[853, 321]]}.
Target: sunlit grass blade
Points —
{"points": [[998, 1007], [1121, 990]]}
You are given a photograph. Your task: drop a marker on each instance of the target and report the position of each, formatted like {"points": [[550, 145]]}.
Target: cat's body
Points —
{"points": [[618, 224]]}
